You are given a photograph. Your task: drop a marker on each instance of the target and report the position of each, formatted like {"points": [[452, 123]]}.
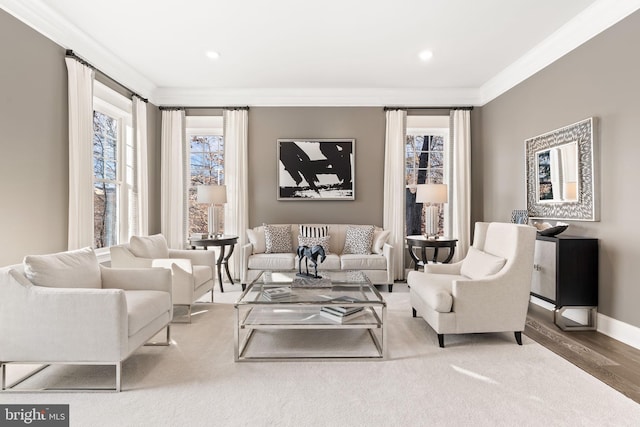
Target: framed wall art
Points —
{"points": [[316, 169]]}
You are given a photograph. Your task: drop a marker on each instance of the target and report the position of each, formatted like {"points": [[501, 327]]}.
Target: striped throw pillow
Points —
{"points": [[314, 231]]}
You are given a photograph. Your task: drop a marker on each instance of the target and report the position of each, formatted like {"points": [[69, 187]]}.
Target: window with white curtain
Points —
{"points": [[427, 161], [205, 145], [113, 167]]}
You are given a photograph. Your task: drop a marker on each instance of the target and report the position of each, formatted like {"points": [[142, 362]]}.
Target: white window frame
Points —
{"points": [[109, 102], [436, 126], [198, 126]]}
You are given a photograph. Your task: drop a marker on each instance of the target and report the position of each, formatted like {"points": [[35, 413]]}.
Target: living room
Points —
{"points": [[597, 77]]}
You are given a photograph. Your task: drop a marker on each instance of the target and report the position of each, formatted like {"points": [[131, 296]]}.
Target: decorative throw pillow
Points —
{"points": [[256, 238], [149, 246], [379, 239], [313, 241], [314, 231], [358, 239], [278, 239], [71, 269], [478, 264]]}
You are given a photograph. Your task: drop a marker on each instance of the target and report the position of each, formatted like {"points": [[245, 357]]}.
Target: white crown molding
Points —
{"points": [[39, 16], [596, 18], [593, 20], [334, 97]]}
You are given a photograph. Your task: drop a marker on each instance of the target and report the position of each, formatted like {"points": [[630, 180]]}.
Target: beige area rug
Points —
{"points": [[480, 379]]}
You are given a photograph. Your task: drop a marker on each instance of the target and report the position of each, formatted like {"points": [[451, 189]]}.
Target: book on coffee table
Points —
{"points": [[339, 317], [276, 293]]}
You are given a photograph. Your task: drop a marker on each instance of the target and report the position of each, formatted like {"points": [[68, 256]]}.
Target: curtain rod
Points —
{"points": [[71, 54], [428, 108], [203, 108]]}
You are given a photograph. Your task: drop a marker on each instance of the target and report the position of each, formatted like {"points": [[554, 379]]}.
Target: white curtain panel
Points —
{"points": [[141, 199], [394, 186], [461, 191], [236, 130], [173, 179], [80, 92]]}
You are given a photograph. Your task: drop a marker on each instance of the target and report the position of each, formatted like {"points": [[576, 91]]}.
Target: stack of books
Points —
{"points": [[276, 293], [341, 314]]}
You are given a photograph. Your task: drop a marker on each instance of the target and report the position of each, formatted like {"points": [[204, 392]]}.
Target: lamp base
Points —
{"points": [[431, 220]]}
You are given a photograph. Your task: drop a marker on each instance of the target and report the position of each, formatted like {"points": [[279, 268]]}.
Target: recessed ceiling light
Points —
{"points": [[425, 55], [213, 55]]}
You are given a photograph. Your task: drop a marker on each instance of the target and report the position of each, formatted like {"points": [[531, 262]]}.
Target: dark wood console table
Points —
{"points": [[222, 242], [423, 243]]}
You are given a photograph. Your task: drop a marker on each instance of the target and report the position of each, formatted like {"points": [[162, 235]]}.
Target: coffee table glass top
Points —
{"points": [[333, 288]]}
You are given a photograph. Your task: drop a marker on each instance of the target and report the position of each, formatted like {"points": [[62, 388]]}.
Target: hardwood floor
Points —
{"points": [[611, 361]]}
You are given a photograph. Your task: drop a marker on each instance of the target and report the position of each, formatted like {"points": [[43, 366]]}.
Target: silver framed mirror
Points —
{"points": [[561, 173]]}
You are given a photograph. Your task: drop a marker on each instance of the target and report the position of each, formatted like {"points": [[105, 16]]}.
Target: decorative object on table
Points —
{"points": [[313, 254], [435, 195], [316, 169], [215, 196], [561, 174], [311, 282], [546, 229], [520, 216]]}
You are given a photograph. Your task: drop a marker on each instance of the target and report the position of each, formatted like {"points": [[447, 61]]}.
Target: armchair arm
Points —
{"points": [[40, 324], [443, 268], [151, 279], [207, 258]]}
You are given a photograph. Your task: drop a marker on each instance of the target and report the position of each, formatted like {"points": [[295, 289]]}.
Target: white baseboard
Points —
{"points": [[606, 325]]}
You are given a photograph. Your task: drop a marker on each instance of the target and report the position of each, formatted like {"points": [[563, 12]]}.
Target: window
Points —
{"points": [[206, 166], [426, 162], [113, 174]]}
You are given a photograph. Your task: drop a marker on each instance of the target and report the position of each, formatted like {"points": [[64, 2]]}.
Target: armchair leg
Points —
{"points": [[415, 313], [518, 335], [390, 287], [441, 340], [160, 343]]}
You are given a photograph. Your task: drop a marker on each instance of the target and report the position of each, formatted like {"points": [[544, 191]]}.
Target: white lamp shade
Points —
{"points": [[212, 194], [432, 193]]}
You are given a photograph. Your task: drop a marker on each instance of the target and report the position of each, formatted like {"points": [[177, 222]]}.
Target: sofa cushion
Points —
{"points": [[257, 240], [478, 264], [331, 262], [280, 261], [433, 289], [143, 307], [278, 239], [72, 269], [201, 274], [313, 230], [149, 246], [363, 262], [380, 237], [358, 240], [313, 241]]}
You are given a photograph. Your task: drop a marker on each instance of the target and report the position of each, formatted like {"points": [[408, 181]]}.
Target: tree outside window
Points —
{"points": [[106, 180]]}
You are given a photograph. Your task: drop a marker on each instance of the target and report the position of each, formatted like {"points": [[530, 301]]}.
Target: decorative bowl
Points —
{"points": [[552, 230]]}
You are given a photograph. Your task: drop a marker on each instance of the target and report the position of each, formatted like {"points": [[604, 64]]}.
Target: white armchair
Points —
{"points": [[193, 272], [486, 292], [65, 308]]}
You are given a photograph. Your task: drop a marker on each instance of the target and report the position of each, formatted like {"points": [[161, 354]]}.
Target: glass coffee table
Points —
{"points": [[283, 317]]}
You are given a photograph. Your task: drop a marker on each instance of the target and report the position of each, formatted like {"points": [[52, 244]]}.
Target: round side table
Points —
{"points": [[223, 242], [423, 243]]}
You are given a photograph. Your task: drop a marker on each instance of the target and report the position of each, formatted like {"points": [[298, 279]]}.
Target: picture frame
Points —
{"points": [[316, 169], [562, 177]]}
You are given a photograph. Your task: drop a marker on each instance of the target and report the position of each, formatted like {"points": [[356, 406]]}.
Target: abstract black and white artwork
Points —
{"points": [[316, 169]]}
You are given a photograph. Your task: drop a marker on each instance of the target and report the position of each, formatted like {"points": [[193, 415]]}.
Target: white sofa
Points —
{"points": [[193, 272], [377, 265], [65, 308]]}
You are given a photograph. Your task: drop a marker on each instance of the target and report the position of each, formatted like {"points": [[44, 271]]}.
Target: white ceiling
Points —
{"points": [[325, 52]]}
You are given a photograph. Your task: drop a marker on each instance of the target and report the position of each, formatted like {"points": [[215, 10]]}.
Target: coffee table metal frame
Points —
{"points": [[254, 312]]}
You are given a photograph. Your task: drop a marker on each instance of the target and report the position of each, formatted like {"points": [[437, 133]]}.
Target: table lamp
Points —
{"points": [[214, 196], [435, 194]]}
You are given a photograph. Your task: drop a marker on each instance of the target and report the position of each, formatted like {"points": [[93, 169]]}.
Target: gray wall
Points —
{"points": [[600, 79], [34, 155], [266, 125]]}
